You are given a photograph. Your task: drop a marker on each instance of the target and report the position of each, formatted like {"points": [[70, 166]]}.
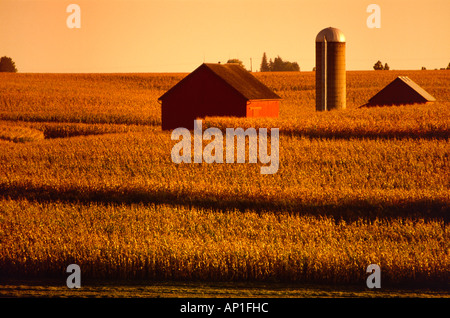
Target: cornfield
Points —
{"points": [[97, 186], [160, 242]]}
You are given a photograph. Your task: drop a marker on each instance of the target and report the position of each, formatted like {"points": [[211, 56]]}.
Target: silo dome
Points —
{"points": [[331, 35]]}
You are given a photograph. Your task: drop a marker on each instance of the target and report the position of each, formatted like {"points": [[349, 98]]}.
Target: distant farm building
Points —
{"points": [[401, 91], [217, 90]]}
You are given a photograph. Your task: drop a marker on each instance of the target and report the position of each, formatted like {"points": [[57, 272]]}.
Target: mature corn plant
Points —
{"points": [[353, 188]]}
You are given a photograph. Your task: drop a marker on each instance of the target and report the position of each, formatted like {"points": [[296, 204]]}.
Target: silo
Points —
{"points": [[330, 70]]}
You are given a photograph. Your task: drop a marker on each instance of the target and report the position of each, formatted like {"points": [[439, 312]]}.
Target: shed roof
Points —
{"points": [[390, 92], [235, 76]]}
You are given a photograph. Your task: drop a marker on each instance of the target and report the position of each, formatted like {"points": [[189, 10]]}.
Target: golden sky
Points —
{"points": [[179, 35]]}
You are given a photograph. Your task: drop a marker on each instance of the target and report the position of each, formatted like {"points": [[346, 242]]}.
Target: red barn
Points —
{"points": [[217, 90]]}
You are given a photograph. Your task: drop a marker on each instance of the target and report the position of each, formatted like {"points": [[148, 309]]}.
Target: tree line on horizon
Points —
{"points": [[278, 65]]}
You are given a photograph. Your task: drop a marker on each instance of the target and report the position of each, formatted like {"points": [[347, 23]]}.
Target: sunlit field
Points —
{"points": [[86, 177]]}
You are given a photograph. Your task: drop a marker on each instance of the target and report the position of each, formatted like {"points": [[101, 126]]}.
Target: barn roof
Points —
{"points": [[235, 76], [402, 90]]}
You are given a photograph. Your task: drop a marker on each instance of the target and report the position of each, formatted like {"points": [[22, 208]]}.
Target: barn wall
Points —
{"points": [[201, 95], [220, 99], [263, 108], [175, 107]]}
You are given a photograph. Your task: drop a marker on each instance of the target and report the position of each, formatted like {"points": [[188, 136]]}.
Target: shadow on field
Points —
{"points": [[351, 209]]}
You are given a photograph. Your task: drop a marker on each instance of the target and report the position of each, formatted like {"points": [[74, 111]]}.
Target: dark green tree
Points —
{"points": [[7, 65], [292, 67], [378, 66], [448, 66], [264, 64], [386, 67], [279, 65], [236, 61]]}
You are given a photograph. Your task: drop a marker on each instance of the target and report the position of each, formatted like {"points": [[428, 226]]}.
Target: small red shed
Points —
{"points": [[401, 91], [216, 90]]}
